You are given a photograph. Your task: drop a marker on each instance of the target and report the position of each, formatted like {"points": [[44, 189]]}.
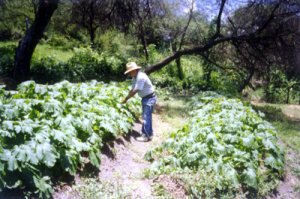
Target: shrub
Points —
{"points": [[49, 70], [7, 54], [85, 64], [88, 64], [280, 89], [115, 42]]}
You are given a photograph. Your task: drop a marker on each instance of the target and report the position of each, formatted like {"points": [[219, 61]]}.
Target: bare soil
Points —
{"points": [[287, 188], [127, 165]]}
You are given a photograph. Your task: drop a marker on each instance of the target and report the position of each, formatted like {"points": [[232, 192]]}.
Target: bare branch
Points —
{"points": [[187, 25], [218, 22], [216, 64], [188, 51], [271, 17]]}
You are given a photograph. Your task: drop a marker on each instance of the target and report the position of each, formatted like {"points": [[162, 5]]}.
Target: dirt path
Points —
{"points": [[122, 164], [127, 165], [287, 188]]}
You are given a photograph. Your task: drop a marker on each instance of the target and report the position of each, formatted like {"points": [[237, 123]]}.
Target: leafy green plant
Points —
{"points": [[50, 130], [280, 89], [226, 149], [85, 64], [7, 53], [49, 70]]}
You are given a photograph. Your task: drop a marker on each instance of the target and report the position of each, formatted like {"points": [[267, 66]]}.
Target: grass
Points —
{"points": [[289, 133], [7, 43], [175, 108], [46, 50], [286, 119]]}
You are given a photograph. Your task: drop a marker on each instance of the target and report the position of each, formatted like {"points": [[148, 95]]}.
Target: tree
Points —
{"points": [[14, 17], [145, 14], [256, 32], [32, 37], [178, 35], [91, 14]]}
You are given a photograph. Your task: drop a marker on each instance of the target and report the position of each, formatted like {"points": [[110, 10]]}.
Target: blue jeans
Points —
{"points": [[148, 105]]}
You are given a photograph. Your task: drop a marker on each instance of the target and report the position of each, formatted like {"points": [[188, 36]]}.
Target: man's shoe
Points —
{"points": [[143, 138], [150, 138]]}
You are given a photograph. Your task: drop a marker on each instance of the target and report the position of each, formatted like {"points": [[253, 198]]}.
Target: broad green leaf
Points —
{"points": [[95, 160], [249, 178]]}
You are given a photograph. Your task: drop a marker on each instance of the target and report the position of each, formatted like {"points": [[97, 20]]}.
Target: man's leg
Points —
{"points": [[148, 106], [147, 120]]}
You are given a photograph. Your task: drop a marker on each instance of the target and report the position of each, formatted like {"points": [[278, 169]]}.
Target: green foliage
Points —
{"points": [[280, 89], [13, 16], [225, 81], [85, 64], [72, 31], [51, 65], [198, 75], [7, 53], [47, 131], [61, 42], [88, 64], [44, 50], [226, 149], [113, 41], [168, 78], [286, 119], [49, 70], [57, 40]]}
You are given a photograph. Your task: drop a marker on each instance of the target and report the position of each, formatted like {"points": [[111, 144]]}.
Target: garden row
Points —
{"points": [[49, 131], [226, 150]]}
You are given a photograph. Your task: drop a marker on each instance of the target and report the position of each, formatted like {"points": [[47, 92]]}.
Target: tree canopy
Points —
{"points": [[250, 37]]}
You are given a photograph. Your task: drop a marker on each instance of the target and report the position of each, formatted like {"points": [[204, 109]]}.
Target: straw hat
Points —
{"points": [[131, 66]]}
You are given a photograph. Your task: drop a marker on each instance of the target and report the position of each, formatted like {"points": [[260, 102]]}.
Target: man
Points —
{"points": [[142, 85]]}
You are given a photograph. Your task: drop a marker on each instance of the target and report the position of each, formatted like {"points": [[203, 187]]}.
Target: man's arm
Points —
{"points": [[131, 93]]}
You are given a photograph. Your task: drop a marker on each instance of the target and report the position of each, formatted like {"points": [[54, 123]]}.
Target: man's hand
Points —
{"points": [[130, 94], [124, 101]]}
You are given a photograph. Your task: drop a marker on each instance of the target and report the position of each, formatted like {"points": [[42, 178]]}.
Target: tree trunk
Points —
{"points": [[287, 101], [92, 29], [92, 36], [207, 70], [144, 42], [268, 80], [145, 47], [247, 80], [180, 74], [179, 69], [32, 37]]}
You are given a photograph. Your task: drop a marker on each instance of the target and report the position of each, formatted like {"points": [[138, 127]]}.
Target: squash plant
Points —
{"points": [[47, 131], [226, 149]]}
